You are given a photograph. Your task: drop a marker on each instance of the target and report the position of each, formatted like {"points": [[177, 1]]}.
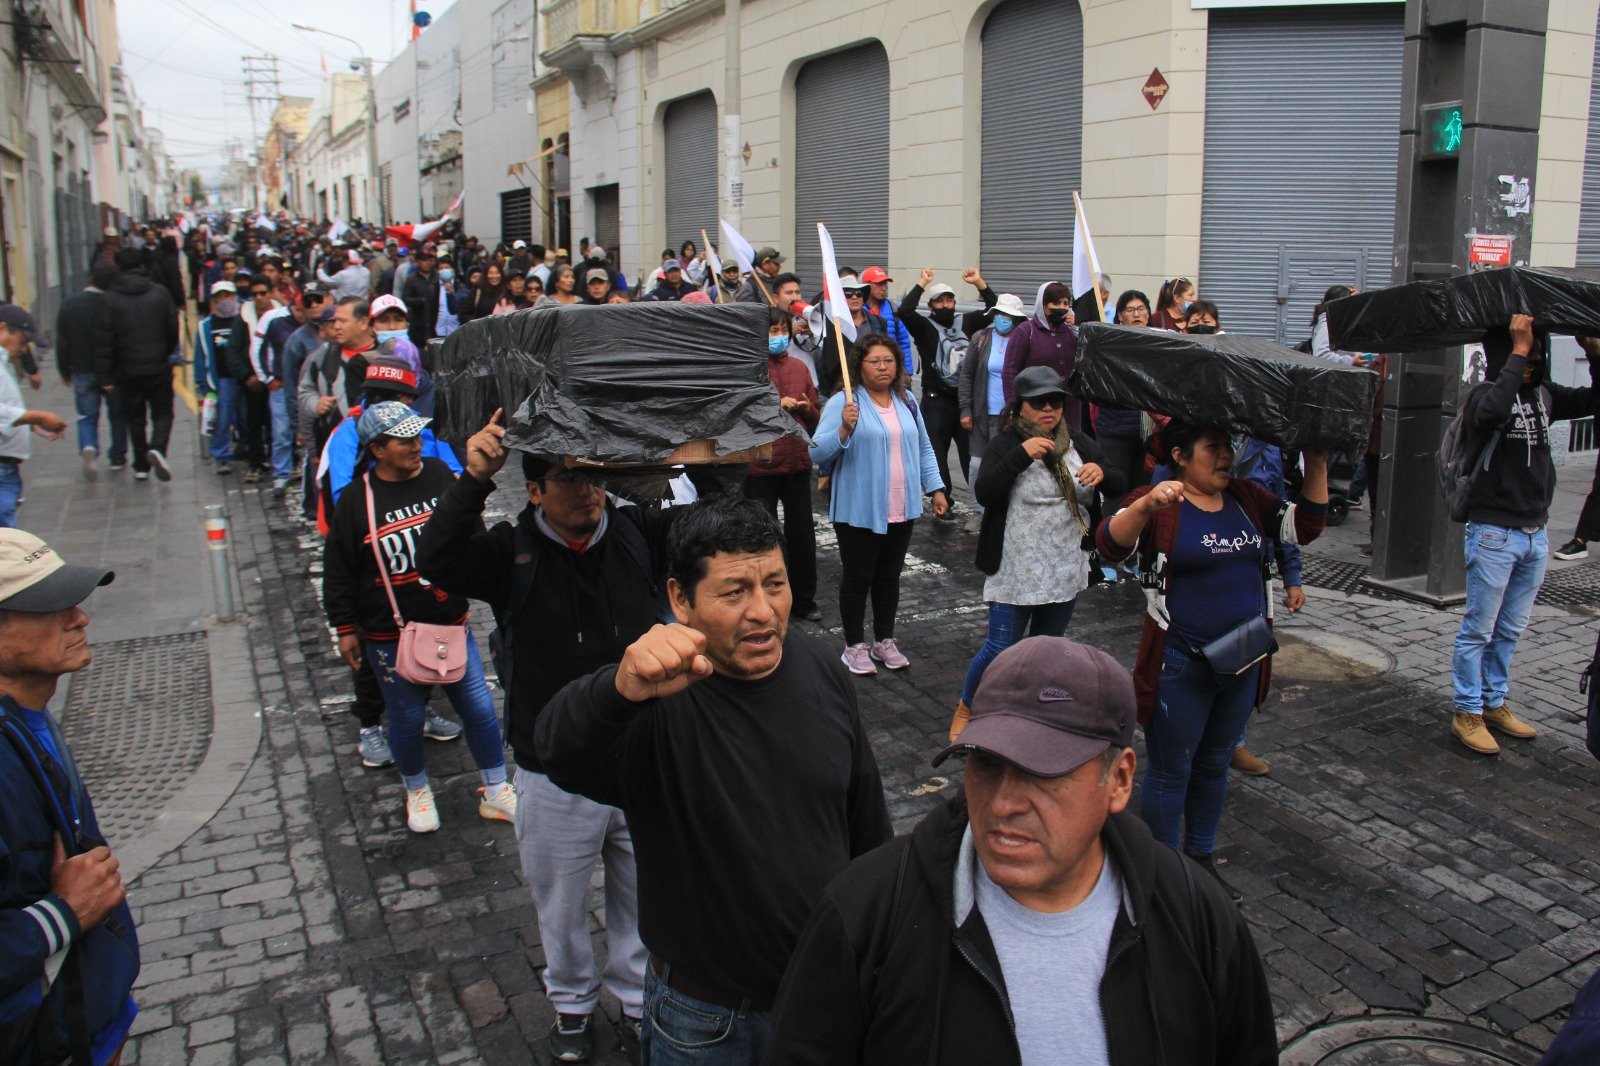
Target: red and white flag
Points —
{"points": [[424, 231], [834, 304]]}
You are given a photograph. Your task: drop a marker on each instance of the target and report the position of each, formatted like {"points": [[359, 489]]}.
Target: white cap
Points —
{"points": [[938, 289], [1009, 305], [519, 244], [387, 303]]}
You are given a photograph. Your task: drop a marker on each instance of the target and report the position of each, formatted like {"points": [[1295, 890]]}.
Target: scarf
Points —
{"points": [[1056, 463]]}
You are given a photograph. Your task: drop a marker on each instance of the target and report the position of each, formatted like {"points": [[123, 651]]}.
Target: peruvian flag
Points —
{"points": [[418, 233]]}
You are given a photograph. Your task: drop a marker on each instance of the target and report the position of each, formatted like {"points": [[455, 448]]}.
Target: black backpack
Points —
{"points": [[525, 567]]}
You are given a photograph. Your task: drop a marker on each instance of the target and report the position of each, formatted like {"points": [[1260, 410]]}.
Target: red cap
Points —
{"points": [[875, 276]]}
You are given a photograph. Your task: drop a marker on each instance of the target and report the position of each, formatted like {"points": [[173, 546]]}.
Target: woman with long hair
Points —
{"points": [[563, 288], [514, 297], [490, 288], [1172, 306], [883, 465]]}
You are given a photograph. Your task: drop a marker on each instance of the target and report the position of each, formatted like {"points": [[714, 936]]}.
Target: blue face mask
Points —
{"points": [[777, 345], [1004, 324], [447, 274], [392, 335]]}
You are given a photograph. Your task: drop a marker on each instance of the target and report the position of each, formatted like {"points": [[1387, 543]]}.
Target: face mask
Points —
{"points": [[1186, 305], [447, 274], [225, 306], [1004, 325], [945, 316], [777, 345], [384, 335], [1055, 318], [1203, 329]]}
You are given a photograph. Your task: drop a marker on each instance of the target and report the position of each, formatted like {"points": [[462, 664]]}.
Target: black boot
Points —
{"points": [[1208, 863]]}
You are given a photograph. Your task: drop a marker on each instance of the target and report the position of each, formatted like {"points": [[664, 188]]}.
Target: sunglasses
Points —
{"points": [[1047, 403]]}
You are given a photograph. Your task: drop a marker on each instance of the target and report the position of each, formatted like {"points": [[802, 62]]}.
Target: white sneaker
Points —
{"points": [[499, 804], [90, 471], [421, 815], [158, 463]]}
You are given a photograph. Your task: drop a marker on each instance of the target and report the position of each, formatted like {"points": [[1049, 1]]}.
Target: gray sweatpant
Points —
{"points": [[560, 837]]}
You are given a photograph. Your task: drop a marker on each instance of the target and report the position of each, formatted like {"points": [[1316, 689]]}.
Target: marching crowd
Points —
{"points": [[664, 717]]}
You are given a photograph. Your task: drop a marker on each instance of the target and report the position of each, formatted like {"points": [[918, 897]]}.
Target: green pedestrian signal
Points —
{"points": [[1441, 131]]}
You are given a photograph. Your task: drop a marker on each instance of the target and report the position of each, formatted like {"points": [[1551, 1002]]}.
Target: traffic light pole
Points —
{"points": [[1469, 145]]}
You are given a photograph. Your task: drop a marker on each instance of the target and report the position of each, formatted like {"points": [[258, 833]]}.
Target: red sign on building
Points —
{"points": [[1488, 250], [1155, 89]]}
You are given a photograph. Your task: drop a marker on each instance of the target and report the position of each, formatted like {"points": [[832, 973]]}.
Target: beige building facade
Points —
{"points": [[1179, 180]]}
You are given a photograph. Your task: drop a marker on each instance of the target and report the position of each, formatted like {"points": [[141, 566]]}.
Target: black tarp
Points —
{"points": [[623, 384], [1252, 386], [1460, 310]]}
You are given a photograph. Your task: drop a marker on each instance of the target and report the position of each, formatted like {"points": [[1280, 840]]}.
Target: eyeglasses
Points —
{"points": [[879, 364], [1047, 403]]}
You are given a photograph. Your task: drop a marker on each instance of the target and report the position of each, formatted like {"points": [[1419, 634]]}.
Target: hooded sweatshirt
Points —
{"points": [[144, 327], [1035, 343], [1516, 487]]}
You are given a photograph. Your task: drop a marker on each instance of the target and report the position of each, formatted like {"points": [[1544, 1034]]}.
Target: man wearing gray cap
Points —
{"points": [[68, 952], [1032, 918]]}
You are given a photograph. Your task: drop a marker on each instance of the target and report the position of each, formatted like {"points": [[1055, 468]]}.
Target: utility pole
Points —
{"points": [[262, 93], [1469, 144]]}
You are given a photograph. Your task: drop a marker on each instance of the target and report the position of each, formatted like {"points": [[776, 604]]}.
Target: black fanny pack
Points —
{"points": [[1239, 648]]}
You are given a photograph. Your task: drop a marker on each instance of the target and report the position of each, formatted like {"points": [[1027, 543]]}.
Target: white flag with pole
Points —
{"points": [[338, 229], [716, 266], [743, 253], [1085, 264], [834, 304]]}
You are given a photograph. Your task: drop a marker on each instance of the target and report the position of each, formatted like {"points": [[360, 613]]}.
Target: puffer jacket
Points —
{"points": [[144, 327]]}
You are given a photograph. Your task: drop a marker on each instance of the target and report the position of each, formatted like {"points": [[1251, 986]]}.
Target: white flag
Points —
{"points": [[263, 222], [743, 254], [834, 304], [338, 229], [716, 264], [1085, 264], [455, 205]]}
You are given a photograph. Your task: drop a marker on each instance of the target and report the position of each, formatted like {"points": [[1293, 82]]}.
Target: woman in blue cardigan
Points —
{"points": [[883, 463]]}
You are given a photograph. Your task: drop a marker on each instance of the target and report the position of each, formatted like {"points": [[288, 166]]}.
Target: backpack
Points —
{"points": [[525, 567], [953, 344], [1462, 459]]}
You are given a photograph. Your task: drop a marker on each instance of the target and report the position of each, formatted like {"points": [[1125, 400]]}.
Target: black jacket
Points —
{"points": [[421, 296], [925, 334], [83, 333], [885, 972], [1519, 482], [581, 613], [1003, 463], [144, 327]]}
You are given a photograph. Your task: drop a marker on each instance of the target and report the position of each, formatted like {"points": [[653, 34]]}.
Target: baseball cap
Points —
{"points": [[597, 274], [1007, 304], [1037, 381], [326, 314], [938, 289], [519, 244], [16, 318], [1048, 705], [389, 419], [34, 579], [391, 374], [667, 268], [768, 253], [875, 275], [313, 288], [402, 252], [429, 249], [353, 257], [387, 302]]}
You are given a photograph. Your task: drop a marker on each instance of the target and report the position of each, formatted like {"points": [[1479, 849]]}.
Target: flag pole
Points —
{"points": [[1094, 267], [755, 275], [844, 366], [716, 282]]}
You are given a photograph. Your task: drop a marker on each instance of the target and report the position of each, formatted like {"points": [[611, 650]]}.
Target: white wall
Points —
{"points": [[397, 140], [493, 138]]}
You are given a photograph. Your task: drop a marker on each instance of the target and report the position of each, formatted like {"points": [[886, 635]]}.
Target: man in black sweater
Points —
{"points": [[1507, 545], [737, 751], [144, 337], [582, 570], [83, 344]]}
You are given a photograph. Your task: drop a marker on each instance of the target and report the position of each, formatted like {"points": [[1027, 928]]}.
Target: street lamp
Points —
{"points": [[364, 64]]}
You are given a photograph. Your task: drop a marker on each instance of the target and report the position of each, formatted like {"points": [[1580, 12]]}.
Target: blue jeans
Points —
{"points": [[1505, 568], [1189, 743], [86, 391], [227, 418], [1007, 622], [10, 493], [681, 1029], [407, 705], [282, 435]]}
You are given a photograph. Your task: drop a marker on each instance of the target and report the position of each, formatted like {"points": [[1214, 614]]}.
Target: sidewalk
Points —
{"points": [[1389, 874]]}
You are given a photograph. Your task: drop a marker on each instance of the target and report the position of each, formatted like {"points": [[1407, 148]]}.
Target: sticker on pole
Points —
{"points": [[1485, 250]]}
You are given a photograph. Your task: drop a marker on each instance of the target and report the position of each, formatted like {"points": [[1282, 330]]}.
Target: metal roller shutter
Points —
{"points": [[1032, 143], [1589, 211], [690, 129], [516, 215], [841, 172], [1301, 150]]}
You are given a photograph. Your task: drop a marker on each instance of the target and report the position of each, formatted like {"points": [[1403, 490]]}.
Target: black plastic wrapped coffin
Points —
{"points": [[1252, 386], [622, 384], [1460, 310]]}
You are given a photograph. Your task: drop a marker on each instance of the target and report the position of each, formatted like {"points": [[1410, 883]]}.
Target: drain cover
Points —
{"points": [[1576, 586], [138, 720], [1397, 1041]]}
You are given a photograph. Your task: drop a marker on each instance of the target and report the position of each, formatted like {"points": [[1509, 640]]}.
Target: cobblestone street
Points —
{"points": [[1387, 871]]}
